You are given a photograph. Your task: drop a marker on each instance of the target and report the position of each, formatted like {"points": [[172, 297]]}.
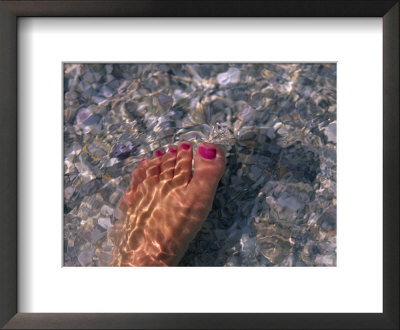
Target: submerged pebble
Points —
{"points": [[122, 150], [232, 76]]}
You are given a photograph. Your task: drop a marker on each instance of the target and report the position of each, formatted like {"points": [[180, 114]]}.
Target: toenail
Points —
{"points": [[185, 146], [207, 153], [159, 153], [172, 150]]}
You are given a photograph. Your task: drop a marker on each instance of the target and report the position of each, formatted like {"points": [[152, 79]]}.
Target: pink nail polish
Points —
{"points": [[185, 146], [207, 153], [159, 153], [172, 150]]}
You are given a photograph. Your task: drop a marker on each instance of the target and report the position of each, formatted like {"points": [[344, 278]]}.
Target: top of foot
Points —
{"points": [[164, 206]]}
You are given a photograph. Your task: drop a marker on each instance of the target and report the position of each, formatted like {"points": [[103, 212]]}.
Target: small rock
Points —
{"points": [[86, 254], [232, 76], [104, 222], [330, 132]]}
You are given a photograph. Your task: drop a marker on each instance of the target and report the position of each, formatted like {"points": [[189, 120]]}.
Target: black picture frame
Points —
{"points": [[9, 13]]}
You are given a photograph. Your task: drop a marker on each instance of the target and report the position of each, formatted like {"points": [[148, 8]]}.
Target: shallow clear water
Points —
{"points": [[276, 203]]}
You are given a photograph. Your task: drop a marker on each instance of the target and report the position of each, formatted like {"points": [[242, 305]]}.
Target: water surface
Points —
{"points": [[276, 203]]}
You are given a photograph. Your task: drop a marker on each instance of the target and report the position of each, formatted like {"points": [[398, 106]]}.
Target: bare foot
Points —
{"points": [[164, 207]]}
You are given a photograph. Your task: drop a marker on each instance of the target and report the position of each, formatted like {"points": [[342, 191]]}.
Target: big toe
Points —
{"points": [[209, 166]]}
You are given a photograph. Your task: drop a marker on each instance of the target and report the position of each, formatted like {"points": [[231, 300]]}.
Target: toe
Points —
{"points": [[153, 167], [183, 165], [209, 166], [168, 164], [138, 175]]}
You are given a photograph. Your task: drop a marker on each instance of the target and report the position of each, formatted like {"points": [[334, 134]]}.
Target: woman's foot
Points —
{"points": [[164, 207]]}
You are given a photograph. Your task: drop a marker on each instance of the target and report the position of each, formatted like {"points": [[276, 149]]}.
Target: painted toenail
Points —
{"points": [[207, 153], [172, 150], [159, 153], [185, 146]]}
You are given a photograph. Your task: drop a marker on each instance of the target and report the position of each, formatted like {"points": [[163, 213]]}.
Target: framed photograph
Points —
{"points": [[251, 147]]}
